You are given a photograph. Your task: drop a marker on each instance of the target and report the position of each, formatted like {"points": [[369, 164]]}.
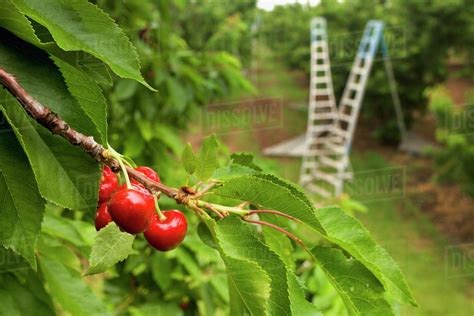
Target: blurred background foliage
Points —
{"points": [[421, 36]]}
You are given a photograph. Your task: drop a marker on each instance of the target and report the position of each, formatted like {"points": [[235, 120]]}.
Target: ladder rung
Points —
{"points": [[323, 103], [326, 177], [345, 117], [340, 132], [321, 79], [331, 162], [316, 130], [315, 189], [321, 67], [321, 91], [348, 102], [338, 149], [354, 86], [324, 116]]}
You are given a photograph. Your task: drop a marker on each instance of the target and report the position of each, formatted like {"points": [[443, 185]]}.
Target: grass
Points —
{"points": [[400, 227], [395, 221]]}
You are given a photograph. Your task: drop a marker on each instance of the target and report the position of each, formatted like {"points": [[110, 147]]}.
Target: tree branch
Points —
{"points": [[58, 126], [53, 121]]}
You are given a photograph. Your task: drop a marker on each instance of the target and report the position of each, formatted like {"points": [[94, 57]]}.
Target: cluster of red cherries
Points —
{"points": [[135, 210]]}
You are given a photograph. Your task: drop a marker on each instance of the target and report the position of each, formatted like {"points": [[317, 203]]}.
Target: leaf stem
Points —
{"points": [[287, 233], [276, 213], [223, 209]]}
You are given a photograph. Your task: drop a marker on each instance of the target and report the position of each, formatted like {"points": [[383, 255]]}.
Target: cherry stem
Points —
{"points": [[278, 228], [276, 213], [161, 216], [118, 157]]}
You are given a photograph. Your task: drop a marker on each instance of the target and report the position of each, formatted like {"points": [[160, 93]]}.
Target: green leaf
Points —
{"points": [[331, 222], [17, 23], [177, 94], [278, 242], [299, 305], [245, 159], [68, 288], [65, 174], [22, 207], [188, 159], [111, 246], [270, 195], [360, 290], [161, 269], [14, 21], [88, 95], [156, 308], [26, 298], [206, 159], [231, 171], [249, 284], [347, 232], [82, 26], [238, 241], [63, 228], [11, 261]]}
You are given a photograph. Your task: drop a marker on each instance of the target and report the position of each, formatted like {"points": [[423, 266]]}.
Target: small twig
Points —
{"points": [[242, 205], [213, 209], [205, 189], [276, 213], [199, 211], [290, 235]]}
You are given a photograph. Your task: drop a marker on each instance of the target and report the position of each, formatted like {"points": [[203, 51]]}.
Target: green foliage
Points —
{"points": [[206, 158], [111, 246], [61, 53], [188, 159], [455, 132]]}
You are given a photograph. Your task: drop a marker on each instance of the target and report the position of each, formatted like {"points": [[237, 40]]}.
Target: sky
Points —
{"points": [[269, 4]]}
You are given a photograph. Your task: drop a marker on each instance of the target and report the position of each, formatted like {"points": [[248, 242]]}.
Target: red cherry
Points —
{"points": [[137, 186], [148, 172], [132, 209], [102, 217], [108, 184], [167, 234]]}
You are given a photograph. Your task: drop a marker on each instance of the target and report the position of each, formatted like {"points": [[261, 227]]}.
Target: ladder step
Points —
{"points": [[316, 130], [345, 117], [322, 91], [339, 165], [322, 103], [338, 149], [315, 189], [321, 79], [340, 132], [323, 116], [348, 102], [326, 177], [354, 86]]}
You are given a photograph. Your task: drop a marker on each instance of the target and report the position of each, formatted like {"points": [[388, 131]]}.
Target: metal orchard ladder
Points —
{"points": [[322, 111], [325, 168]]}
